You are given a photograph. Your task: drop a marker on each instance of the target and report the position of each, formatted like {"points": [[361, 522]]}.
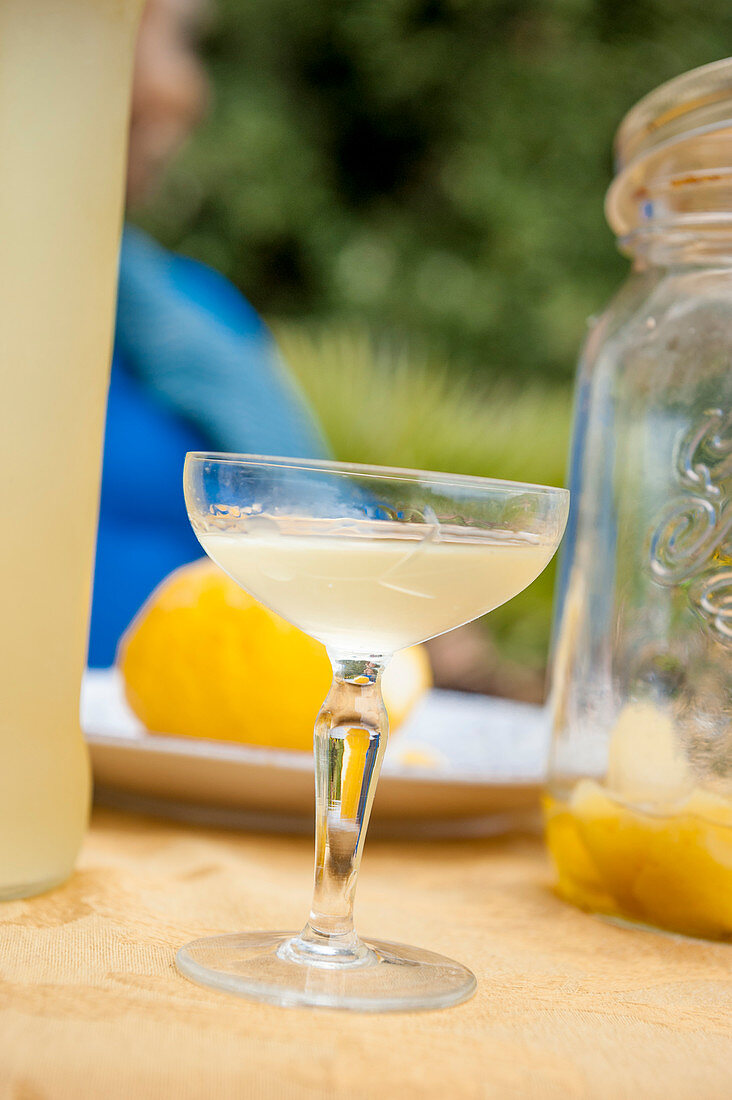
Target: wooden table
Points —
{"points": [[567, 1006]]}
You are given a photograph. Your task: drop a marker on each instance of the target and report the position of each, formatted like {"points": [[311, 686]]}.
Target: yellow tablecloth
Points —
{"points": [[92, 1007]]}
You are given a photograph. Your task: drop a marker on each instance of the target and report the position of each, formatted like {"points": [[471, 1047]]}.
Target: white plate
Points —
{"points": [[462, 764]]}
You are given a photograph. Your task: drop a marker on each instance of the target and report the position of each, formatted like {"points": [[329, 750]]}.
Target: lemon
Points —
{"points": [[646, 762], [578, 878], [204, 659], [671, 868]]}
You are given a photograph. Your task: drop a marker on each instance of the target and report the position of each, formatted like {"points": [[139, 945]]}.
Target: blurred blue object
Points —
{"points": [[194, 368]]}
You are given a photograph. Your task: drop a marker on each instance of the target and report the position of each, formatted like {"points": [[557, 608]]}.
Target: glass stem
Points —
{"points": [[350, 738]]}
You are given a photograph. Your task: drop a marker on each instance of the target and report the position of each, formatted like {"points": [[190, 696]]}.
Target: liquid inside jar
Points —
{"points": [[647, 844]]}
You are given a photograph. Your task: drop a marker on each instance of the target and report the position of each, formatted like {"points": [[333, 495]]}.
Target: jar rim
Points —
{"points": [[673, 153], [697, 100]]}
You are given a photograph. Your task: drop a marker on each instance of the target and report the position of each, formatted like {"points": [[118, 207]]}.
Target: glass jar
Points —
{"points": [[639, 805]]}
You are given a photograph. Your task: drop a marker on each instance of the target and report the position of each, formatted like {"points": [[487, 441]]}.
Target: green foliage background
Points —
{"points": [[412, 192], [435, 166]]}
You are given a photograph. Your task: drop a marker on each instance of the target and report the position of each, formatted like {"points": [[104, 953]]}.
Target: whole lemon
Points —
{"points": [[202, 658]]}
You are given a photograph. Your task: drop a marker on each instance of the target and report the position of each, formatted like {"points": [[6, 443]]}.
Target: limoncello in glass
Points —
{"points": [[65, 72], [380, 586], [368, 560]]}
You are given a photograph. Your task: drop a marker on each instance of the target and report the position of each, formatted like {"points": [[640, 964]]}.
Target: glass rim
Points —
{"points": [[394, 473]]}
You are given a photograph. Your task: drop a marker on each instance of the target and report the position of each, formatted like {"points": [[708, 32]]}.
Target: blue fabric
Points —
{"points": [[188, 335], [194, 368], [143, 527]]}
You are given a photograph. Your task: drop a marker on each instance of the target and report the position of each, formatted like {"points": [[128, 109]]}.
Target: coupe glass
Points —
{"points": [[367, 560]]}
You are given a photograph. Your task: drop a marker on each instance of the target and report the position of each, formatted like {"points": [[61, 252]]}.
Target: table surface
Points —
{"points": [[567, 1005]]}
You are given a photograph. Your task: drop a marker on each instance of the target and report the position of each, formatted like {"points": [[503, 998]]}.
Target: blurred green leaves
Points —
{"points": [[387, 400], [434, 166], [435, 169]]}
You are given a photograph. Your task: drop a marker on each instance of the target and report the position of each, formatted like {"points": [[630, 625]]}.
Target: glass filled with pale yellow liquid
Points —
{"points": [[368, 560], [65, 70]]}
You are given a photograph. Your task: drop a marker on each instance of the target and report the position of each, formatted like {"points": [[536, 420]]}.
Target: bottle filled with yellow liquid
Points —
{"points": [[65, 72]]}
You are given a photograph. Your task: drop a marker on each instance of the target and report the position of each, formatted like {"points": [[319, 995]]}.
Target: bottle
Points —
{"points": [[65, 75]]}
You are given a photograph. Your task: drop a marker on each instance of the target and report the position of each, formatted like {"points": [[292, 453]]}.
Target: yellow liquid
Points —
{"points": [[65, 72], [671, 867], [366, 593]]}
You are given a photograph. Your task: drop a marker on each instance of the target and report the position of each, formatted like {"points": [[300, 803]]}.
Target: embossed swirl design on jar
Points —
{"points": [[691, 543]]}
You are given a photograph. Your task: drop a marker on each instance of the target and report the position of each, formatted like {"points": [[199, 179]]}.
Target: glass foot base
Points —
{"points": [[270, 967]]}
